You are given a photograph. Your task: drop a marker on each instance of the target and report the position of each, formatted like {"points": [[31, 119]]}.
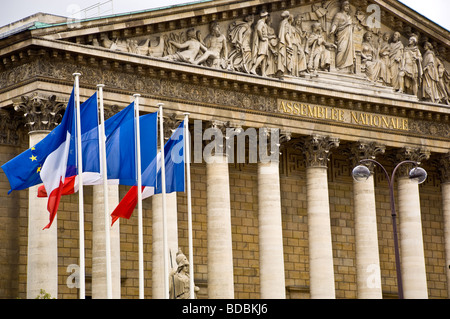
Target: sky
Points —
{"points": [[435, 10]]}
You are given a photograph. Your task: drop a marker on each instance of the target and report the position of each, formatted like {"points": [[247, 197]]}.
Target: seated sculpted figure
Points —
{"points": [[317, 50], [217, 51], [189, 50], [372, 66]]}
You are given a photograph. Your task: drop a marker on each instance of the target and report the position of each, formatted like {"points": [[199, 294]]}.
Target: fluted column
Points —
{"points": [[42, 258], [220, 251], [411, 239], [321, 271], [218, 207], [158, 237], [99, 273], [368, 274], [158, 280], [445, 189], [271, 257]]}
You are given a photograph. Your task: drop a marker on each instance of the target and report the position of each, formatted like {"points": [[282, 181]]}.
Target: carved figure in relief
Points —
{"points": [[239, 34], [430, 81], [411, 69], [260, 47], [342, 27], [285, 49], [395, 60], [370, 64], [189, 50], [272, 53], [384, 50], [317, 50], [179, 279], [444, 79], [298, 44], [216, 54]]}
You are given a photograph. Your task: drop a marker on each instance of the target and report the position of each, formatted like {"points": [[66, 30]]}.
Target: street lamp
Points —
{"points": [[362, 173]]}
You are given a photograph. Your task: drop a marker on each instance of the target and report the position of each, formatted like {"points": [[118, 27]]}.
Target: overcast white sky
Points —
{"points": [[435, 10]]}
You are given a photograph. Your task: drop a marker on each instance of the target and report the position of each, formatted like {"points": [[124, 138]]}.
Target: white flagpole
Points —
{"points": [[105, 193], [187, 161], [139, 191], [80, 186], [163, 188]]}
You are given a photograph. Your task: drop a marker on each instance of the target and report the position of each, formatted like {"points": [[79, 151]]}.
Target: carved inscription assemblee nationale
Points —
{"points": [[334, 114]]}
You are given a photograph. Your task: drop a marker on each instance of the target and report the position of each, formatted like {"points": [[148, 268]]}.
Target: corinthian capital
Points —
{"points": [[40, 113], [317, 149], [411, 154], [365, 150]]}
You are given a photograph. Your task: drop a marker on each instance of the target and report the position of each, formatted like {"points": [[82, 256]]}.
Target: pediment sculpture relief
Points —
{"points": [[330, 36]]}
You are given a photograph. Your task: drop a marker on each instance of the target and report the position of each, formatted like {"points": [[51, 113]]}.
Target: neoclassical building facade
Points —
{"points": [[339, 81]]}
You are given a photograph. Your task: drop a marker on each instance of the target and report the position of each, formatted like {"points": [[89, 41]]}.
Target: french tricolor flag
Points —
{"points": [[52, 161], [174, 168], [60, 167], [90, 151]]}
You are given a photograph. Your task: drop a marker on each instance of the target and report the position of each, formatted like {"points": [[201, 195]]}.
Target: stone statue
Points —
{"points": [[444, 79], [285, 50], [411, 69], [298, 45], [187, 51], [272, 52], [342, 27], [179, 279], [370, 64], [240, 36], [260, 45], [384, 50], [317, 50], [430, 81], [395, 60], [216, 54]]}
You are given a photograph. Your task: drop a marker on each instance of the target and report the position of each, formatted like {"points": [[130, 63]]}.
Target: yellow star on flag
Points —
{"points": [[33, 158], [38, 169]]}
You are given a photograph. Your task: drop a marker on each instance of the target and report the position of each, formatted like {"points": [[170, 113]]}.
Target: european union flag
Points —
{"points": [[23, 171]]}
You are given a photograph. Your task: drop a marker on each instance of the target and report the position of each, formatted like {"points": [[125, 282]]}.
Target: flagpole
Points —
{"points": [[139, 192], [187, 161], [80, 186], [105, 193], [163, 189]]}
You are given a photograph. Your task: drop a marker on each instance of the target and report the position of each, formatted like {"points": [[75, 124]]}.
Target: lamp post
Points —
{"points": [[362, 173]]}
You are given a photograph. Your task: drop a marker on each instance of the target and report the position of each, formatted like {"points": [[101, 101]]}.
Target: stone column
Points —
{"points": [[271, 256], [219, 240], [99, 285], [321, 272], [411, 240], [157, 240], [170, 123], [445, 189], [368, 273], [42, 258]]}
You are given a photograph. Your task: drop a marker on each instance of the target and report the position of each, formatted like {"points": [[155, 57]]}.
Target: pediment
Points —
{"points": [[303, 41]]}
